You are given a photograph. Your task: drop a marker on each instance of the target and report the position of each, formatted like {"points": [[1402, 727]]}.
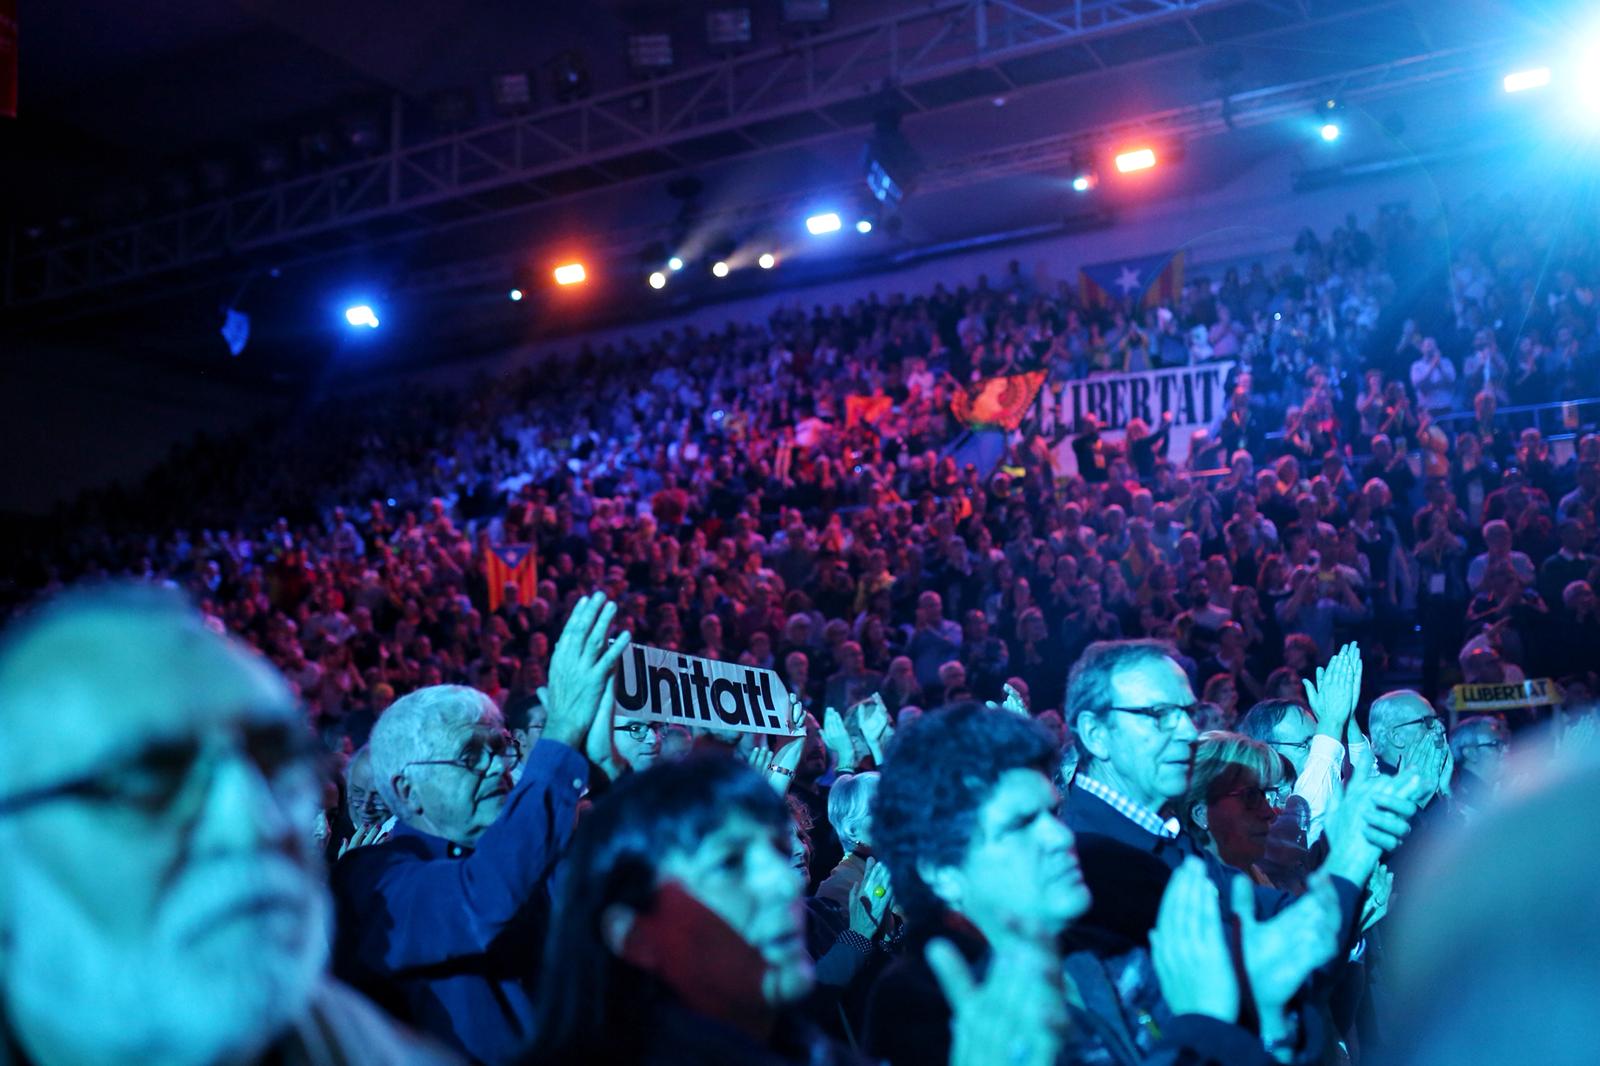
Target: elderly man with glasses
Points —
{"points": [[1131, 704], [444, 922], [160, 900]]}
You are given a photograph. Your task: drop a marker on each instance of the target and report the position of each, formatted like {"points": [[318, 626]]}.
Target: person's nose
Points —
{"points": [[242, 811]]}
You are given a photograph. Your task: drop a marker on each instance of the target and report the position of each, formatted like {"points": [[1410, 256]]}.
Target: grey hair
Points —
{"points": [[1470, 731], [1089, 684], [850, 807], [414, 728]]}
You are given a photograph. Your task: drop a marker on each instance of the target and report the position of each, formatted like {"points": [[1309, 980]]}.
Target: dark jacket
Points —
{"points": [[908, 1019], [449, 939]]}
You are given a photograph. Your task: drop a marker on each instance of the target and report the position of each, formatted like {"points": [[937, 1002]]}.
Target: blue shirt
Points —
{"points": [[449, 939]]}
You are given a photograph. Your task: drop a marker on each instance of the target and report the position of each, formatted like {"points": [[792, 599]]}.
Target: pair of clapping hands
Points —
{"points": [[863, 730], [1016, 1012]]}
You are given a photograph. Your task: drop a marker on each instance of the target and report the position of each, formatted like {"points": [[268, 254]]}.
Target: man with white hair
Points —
{"points": [[160, 900], [444, 922]]}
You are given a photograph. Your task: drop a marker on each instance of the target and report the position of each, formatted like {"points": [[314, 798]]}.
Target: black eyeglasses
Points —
{"points": [[1166, 716], [635, 730], [156, 779], [1297, 745], [479, 755], [1257, 798], [1431, 721]]}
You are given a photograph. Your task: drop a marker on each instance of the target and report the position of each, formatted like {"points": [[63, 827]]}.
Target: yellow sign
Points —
{"points": [[1542, 692]]}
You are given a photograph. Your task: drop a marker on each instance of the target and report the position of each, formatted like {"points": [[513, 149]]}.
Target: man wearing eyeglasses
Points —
{"points": [[160, 900], [443, 923], [1131, 703], [1479, 745]]}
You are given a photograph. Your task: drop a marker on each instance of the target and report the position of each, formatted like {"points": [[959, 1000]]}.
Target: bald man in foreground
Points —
{"points": [[160, 900]]}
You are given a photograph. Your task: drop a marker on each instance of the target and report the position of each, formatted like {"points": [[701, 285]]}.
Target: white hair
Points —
{"points": [[418, 726], [850, 807]]}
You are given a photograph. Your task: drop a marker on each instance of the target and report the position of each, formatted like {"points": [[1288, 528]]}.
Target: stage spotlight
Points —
{"points": [[361, 315], [1330, 131], [864, 225], [1137, 159], [674, 263], [1082, 183], [824, 223], [1523, 80], [570, 274], [719, 269], [658, 280], [767, 261], [516, 294]]}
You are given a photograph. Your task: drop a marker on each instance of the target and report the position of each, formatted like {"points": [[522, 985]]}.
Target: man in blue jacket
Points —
{"points": [[444, 923]]}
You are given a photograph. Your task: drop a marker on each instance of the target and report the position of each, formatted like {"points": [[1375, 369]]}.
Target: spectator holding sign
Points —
{"points": [[474, 852]]}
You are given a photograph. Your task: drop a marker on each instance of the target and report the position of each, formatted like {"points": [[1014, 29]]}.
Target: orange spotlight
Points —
{"points": [[1137, 159], [570, 274]]}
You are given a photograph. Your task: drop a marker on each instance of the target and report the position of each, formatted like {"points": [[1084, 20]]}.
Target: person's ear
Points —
{"points": [[1095, 734], [616, 922], [1198, 815], [407, 793]]}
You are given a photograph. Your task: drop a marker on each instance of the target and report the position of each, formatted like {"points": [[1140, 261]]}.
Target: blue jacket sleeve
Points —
{"points": [[419, 911]]}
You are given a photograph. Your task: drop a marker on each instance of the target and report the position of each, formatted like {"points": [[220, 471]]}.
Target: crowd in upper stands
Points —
{"points": [[706, 493]]}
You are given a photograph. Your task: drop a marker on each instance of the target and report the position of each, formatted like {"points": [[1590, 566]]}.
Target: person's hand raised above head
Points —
{"points": [[580, 668], [1336, 691], [837, 737]]}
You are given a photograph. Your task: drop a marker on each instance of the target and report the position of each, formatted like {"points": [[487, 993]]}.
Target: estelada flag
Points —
{"points": [[511, 564], [998, 401], [1152, 280]]}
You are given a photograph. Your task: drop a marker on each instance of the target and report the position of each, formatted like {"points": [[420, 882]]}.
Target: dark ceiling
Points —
{"points": [[114, 96]]}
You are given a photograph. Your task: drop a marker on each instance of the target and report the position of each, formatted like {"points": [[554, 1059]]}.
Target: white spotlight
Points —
{"points": [[767, 261], [361, 315], [658, 280], [817, 225], [719, 269], [1523, 80], [864, 226], [674, 263]]}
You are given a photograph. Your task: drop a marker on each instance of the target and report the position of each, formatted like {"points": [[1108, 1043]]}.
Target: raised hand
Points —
{"points": [[1428, 761], [1279, 954], [1371, 819], [1015, 1015], [1014, 702], [1337, 690], [837, 738], [580, 667], [1380, 887], [367, 835], [876, 727], [1189, 950], [872, 900], [600, 744]]}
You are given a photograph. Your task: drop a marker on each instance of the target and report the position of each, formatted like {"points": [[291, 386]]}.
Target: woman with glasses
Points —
{"points": [[1235, 792]]}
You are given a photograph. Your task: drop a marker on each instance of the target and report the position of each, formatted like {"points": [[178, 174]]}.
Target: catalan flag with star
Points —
{"points": [[1149, 280], [511, 565]]}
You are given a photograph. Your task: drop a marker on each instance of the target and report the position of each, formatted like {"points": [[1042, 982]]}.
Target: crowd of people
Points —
{"points": [[1109, 767]]}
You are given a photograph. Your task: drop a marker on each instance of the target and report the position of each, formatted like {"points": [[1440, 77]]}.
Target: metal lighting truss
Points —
{"points": [[800, 90], [1175, 125]]}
